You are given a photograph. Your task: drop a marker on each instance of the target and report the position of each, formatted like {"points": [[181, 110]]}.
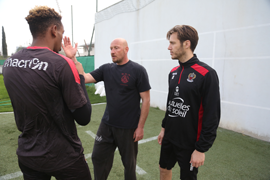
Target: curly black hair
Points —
{"points": [[40, 18]]}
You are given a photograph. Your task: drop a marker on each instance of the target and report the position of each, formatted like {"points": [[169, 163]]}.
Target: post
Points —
{"points": [[72, 42], [90, 48]]}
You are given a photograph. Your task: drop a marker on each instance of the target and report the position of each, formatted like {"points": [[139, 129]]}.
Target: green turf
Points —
{"points": [[3, 91], [5, 104], [232, 157], [94, 98]]}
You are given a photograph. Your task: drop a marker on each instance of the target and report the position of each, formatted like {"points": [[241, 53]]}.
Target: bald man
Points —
{"points": [[126, 83]]}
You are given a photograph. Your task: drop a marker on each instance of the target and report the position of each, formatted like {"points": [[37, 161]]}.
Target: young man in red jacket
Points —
{"points": [[193, 108]]}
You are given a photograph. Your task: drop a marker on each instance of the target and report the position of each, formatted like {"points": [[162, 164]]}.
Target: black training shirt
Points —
{"points": [[43, 87], [123, 85], [193, 106]]}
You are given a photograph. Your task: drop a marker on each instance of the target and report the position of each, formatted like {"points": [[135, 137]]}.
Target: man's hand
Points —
{"points": [[69, 50], [138, 134], [197, 159], [161, 135]]}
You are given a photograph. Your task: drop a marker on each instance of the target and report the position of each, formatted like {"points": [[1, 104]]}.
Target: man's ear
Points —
{"points": [[187, 44], [126, 48], [54, 30]]}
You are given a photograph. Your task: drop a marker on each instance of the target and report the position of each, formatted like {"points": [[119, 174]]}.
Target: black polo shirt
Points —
{"points": [[123, 85]]}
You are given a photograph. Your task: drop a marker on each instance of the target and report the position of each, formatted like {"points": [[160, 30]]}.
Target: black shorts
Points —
{"points": [[170, 154], [78, 170]]}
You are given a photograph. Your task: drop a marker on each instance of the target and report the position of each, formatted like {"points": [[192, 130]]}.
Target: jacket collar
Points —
{"points": [[190, 62]]}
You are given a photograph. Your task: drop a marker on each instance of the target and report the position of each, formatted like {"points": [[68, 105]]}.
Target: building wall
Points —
{"points": [[234, 38]]}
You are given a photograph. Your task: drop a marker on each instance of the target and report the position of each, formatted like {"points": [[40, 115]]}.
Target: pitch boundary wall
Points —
{"points": [[234, 40]]}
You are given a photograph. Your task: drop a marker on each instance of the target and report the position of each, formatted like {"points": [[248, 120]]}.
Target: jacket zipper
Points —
{"points": [[181, 74]]}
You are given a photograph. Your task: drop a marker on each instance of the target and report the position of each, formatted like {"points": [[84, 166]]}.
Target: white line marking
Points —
{"points": [[91, 134], [19, 173], [6, 113], [88, 155], [11, 176], [147, 140], [98, 104], [139, 170]]}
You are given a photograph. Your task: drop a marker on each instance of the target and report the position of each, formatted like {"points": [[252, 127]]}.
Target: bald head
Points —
{"points": [[119, 50], [120, 41]]}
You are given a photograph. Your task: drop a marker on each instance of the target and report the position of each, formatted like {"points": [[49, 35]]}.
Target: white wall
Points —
{"points": [[234, 38]]}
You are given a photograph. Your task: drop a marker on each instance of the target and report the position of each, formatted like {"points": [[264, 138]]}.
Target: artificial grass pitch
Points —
{"points": [[233, 155]]}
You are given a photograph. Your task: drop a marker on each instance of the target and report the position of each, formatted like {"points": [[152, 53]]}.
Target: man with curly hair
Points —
{"points": [[47, 95]]}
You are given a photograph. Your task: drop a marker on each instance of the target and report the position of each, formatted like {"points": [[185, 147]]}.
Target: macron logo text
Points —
{"points": [[34, 63]]}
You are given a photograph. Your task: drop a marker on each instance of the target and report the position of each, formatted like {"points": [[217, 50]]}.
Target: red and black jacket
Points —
{"points": [[193, 106]]}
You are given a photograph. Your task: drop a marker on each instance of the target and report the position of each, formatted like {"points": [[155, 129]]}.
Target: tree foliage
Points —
{"points": [[4, 44]]}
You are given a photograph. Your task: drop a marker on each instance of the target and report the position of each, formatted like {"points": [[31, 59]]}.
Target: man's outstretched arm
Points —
{"points": [[71, 53]]}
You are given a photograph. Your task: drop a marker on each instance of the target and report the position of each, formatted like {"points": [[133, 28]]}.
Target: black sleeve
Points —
{"points": [[70, 84], [82, 115], [98, 73], [211, 114], [143, 80]]}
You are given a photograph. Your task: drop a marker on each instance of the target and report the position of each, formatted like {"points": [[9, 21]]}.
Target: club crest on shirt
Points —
{"points": [[191, 76], [176, 93], [125, 77]]}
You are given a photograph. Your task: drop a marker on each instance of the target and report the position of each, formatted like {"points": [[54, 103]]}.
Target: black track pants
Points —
{"points": [[107, 139]]}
